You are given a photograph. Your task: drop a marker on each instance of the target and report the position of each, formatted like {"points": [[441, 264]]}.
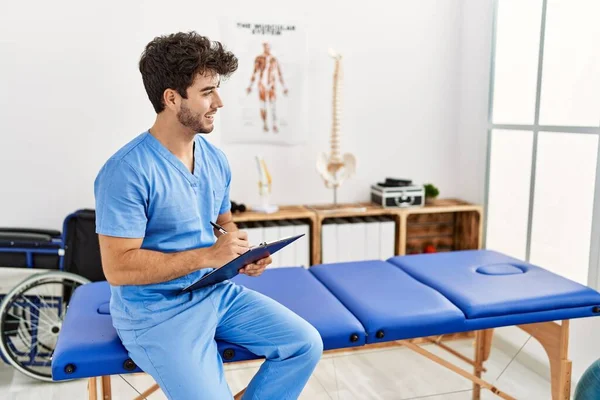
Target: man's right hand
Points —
{"points": [[229, 246]]}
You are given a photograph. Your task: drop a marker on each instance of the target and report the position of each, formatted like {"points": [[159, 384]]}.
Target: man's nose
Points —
{"points": [[218, 103]]}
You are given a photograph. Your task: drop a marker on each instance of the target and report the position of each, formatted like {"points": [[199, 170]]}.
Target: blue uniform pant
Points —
{"points": [[181, 353]]}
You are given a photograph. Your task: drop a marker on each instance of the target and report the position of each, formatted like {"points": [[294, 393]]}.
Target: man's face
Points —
{"points": [[267, 48], [198, 110]]}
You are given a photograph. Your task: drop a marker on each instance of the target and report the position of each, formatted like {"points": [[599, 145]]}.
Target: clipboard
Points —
{"points": [[231, 269]]}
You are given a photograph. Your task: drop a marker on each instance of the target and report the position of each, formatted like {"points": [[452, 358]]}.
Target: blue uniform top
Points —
{"points": [[145, 191]]}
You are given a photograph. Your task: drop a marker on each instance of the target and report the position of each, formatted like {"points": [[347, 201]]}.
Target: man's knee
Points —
{"points": [[312, 343]]}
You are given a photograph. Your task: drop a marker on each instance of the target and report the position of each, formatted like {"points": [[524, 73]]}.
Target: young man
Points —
{"points": [[155, 199]]}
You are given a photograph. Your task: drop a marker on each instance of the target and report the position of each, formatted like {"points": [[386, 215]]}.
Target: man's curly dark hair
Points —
{"points": [[173, 61]]}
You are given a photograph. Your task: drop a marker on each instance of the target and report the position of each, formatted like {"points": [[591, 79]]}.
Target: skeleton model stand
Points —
{"points": [[335, 169]]}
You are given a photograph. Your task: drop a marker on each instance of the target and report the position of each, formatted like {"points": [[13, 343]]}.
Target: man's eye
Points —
{"points": [[208, 93]]}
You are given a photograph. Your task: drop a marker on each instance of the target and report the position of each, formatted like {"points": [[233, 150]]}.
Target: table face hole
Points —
{"points": [[500, 269]]}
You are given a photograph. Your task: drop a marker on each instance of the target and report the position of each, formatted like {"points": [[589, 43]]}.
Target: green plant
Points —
{"points": [[431, 191]]}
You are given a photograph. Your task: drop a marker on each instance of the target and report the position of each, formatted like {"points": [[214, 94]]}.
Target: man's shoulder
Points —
{"points": [[132, 150], [130, 157]]}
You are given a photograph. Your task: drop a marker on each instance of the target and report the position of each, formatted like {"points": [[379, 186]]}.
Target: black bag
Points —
{"points": [[82, 250], [30, 248]]}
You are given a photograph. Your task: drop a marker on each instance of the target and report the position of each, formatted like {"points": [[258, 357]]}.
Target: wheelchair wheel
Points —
{"points": [[31, 316]]}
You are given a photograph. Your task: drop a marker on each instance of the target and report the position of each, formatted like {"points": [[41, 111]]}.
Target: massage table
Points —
{"points": [[366, 303]]}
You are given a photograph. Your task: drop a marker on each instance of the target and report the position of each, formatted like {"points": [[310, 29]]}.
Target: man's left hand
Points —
{"points": [[257, 268]]}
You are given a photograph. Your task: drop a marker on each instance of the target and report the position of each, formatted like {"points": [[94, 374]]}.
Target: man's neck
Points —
{"points": [[176, 138]]}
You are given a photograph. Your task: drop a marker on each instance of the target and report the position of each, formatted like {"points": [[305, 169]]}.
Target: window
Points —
{"points": [[543, 132]]}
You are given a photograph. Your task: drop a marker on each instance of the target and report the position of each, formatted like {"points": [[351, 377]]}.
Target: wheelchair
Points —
{"points": [[32, 312]]}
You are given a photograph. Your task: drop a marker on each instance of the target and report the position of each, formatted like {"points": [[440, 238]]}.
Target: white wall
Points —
{"points": [[475, 61], [72, 95]]}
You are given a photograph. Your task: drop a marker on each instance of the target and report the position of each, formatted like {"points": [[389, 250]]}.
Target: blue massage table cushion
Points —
{"points": [[89, 346], [355, 303], [302, 293], [489, 284], [390, 304]]}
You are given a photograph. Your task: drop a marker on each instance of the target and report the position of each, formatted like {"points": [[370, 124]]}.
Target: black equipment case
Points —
{"points": [[398, 193]]}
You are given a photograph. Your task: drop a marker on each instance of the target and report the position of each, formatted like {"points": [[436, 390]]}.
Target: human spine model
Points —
{"points": [[335, 169]]}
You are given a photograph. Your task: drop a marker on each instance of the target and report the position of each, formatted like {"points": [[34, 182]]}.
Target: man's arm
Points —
{"points": [[125, 263], [121, 198], [226, 221]]}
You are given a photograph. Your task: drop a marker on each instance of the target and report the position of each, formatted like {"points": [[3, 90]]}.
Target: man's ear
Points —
{"points": [[172, 99]]}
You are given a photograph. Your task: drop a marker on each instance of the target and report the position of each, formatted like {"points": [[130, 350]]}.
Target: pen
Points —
{"points": [[218, 227]]}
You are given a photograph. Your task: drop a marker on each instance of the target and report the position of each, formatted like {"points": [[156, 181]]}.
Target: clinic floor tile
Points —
{"points": [[400, 374], [460, 395], [239, 378], [392, 374]]}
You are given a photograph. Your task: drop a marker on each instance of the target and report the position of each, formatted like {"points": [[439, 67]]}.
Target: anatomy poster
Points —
{"points": [[265, 98]]}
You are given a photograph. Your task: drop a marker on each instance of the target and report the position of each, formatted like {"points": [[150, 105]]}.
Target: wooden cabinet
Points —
{"points": [[444, 225]]}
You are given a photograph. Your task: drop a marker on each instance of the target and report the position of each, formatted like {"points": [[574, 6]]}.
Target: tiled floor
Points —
{"points": [[382, 374]]}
